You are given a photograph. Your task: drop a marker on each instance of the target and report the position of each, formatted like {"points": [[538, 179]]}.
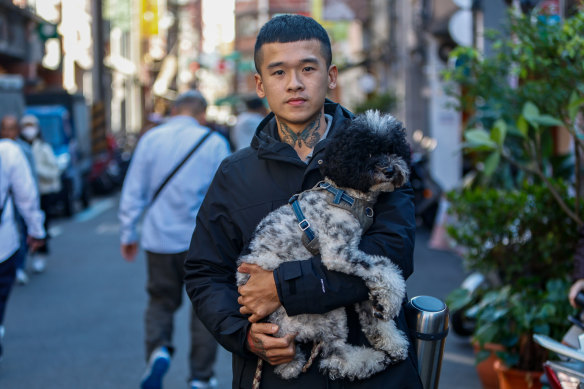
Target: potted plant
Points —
{"points": [[520, 236], [519, 215]]}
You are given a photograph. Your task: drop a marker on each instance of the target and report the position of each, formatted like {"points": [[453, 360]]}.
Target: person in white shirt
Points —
{"points": [[167, 227], [247, 122], [49, 179], [17, 188]]}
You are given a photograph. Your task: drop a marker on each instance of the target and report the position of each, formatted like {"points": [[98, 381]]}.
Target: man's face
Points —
{"points": [[9, 128], [294, 79]]}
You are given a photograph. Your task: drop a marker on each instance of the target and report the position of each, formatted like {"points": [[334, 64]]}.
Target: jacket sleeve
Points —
{"points": [[308, 287], [210, 268], [46, 164], [25, 195], [134, 196]]}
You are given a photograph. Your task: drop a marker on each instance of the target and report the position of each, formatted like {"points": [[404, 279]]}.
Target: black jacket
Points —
{"points": [[248, 185]]}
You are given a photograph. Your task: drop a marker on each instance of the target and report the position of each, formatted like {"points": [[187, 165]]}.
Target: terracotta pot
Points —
{"points": [[485, 369], [517, 379]]}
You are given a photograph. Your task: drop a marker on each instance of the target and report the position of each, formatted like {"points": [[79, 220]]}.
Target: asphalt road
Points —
{"points": [[80, 324]]}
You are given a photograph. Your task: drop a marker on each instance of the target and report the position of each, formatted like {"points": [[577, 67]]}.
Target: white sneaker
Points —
{"points": [[39, 263], [198, 384], [21, 277]]}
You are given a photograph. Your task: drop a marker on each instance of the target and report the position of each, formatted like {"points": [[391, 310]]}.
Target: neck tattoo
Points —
{"points": [[309, 136]]}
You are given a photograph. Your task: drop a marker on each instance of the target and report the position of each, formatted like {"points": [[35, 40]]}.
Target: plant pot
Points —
{"points": [[517, 379], [485, 369]]}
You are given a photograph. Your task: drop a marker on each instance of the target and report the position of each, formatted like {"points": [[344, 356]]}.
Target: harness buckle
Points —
{"points": [[304, 225]]}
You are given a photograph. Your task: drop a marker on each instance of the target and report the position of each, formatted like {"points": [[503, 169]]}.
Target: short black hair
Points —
{"points": [[292, 28]]}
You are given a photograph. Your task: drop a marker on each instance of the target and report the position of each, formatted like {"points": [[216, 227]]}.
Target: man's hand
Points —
{"points": [[34, 244], [129, 251], [578, 286], [275, 351], [258, 296]]}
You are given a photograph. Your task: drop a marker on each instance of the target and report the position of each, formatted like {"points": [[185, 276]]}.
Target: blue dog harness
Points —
{"points": [[361, 209]]}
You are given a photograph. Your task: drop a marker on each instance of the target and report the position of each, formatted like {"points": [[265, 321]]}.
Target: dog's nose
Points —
{"points": [[389, 171]]}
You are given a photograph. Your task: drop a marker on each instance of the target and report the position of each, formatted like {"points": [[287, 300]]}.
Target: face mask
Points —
{"points": [[29, 132]]}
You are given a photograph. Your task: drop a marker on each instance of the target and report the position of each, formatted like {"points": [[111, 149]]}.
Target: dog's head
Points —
{"points": [[370, 155]]}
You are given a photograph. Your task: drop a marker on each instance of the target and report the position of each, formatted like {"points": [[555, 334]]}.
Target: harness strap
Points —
{"points": [[309, 238], [340, 195], [360, 208]]}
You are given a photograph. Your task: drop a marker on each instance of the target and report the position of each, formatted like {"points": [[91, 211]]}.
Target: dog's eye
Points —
{"points": [[369, 155]]}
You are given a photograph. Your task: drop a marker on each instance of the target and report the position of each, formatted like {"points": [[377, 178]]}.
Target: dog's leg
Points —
{"points": [[342, 360], [382, 334]]}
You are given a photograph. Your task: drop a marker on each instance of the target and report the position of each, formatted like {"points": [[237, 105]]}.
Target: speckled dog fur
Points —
{"points": [[368, 157]]}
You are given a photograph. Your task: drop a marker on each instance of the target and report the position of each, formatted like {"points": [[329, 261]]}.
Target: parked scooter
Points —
{"points": [[427, 192], [569, 371]]}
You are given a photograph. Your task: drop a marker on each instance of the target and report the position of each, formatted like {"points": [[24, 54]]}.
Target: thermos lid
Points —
{"points": [[428, 304]]}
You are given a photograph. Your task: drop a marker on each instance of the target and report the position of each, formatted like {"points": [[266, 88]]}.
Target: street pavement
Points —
{"points": [[80, 324]]}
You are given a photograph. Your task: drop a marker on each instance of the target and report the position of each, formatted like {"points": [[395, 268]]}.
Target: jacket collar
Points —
{"points": [[268, 145]]}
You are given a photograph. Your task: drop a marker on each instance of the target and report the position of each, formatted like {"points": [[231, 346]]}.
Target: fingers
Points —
{"points": [[129, 251], [247, 268], [273, 350], [264, 328]]}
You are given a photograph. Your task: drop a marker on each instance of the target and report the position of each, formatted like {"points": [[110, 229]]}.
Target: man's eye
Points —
{"points": [[308, 69], [278, 73]]}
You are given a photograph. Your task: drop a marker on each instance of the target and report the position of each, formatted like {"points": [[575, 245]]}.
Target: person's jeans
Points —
{"points": [[165, 290], [7, 276]]}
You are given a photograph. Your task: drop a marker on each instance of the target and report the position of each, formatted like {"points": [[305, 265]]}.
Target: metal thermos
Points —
{"points": [[428, 320]]}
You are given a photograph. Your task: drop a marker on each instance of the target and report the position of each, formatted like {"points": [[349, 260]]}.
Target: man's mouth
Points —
{"points": [[296, 101]]}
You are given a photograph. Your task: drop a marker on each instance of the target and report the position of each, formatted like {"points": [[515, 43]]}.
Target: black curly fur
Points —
{"points": [[360, 146]]}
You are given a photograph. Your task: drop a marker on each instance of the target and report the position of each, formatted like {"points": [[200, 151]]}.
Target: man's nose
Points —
{"points": [[295, 82]]}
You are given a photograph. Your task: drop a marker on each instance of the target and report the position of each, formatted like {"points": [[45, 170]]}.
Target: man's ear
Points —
{"points": [[333, 73], [259, 86]]}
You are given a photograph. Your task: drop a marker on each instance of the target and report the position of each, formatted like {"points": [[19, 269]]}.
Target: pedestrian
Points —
{"points": [[10, 129], [294, 72], [247, 122], [17, 188], [48, 177], [168, 225]]}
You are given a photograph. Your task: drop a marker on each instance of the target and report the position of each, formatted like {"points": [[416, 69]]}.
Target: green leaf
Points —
{"points": [[499, 132], [479, 138], [487, 334], [530, 111], [548, 121], [492, 162], [522, 126], [482, 355]]}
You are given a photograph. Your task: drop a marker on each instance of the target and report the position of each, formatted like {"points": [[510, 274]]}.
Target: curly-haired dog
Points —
{"points": [[368, 157]]}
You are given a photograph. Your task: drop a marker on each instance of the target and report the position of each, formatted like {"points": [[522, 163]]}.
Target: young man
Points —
{"points": [[167, 228], [294, 73]]}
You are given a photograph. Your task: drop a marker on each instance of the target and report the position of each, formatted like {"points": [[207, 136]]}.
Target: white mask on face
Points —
{"points": [[29, 132]]}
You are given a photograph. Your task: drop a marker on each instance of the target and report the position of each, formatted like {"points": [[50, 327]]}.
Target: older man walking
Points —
{"points": [[168, 177]]}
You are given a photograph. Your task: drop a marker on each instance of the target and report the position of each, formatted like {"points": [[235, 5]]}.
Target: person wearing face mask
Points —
{"points": [[49, 179], [10, 129]]}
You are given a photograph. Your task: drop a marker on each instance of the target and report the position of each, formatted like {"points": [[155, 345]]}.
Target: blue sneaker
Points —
{"points": [[157, 367], [199, 384]]}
